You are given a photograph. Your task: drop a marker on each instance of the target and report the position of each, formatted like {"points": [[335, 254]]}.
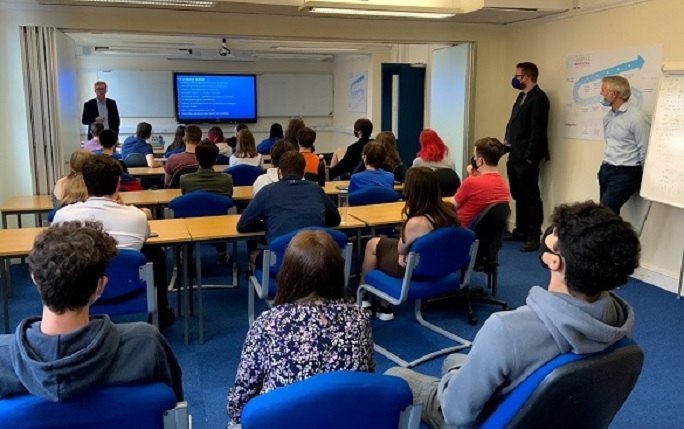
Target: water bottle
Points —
{"points": [[343, 205], [321, 170]]}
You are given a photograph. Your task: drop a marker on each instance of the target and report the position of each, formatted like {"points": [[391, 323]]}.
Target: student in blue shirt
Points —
{"points": [[138, 144], [274, 134], [373, 156]]}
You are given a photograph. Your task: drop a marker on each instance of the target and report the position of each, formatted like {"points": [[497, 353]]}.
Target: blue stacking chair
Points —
{"points": [[135, 160], [572, 391], [243, 174], [433, 268], [130, 289], [221, 159], [263, 281], [373, 195], [336, 400], [149, 406]]}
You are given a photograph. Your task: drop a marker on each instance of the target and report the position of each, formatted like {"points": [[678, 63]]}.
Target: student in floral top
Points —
{"points": [[312, 328]]}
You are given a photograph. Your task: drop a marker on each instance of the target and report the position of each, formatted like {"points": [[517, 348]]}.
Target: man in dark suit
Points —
{"points": [[527, 141], [101, 110]]}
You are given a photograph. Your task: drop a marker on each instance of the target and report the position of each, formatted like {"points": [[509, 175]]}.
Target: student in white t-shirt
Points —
{"points": [[271, 175], [245, 150]]}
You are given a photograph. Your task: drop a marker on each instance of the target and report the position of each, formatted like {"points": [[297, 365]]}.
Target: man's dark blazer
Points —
{"points": [[90, 113], [528, 127]]}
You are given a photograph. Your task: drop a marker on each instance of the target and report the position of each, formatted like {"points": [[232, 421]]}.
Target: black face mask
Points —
{"points": [[543, 248], [473, 163]]}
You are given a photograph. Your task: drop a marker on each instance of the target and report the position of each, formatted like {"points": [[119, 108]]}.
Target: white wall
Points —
{"points": [[67, 90]]}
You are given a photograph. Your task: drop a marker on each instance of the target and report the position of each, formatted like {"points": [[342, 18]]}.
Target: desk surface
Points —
{"points": [[378, 214], [17, 242], [28, 204], [159, 171], [169, 231], [216, 228]]}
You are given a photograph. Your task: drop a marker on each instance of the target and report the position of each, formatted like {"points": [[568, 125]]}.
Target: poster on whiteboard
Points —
{"points": [[582, 112], [358, 94]]}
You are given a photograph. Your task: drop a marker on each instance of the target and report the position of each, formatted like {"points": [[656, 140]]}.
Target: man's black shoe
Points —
{"points": [[530, 246], [514, 236]]}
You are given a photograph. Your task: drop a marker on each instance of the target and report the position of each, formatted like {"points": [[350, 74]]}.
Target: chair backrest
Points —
{"points": [[135, 160], [243, 174], [222, 159], [573, 391], [108, 407], [200, 203], [489, 227], [449, 182], [279, 244], [311, 177], [127, 290], [175, 179], [442, 252], [373, 195], [335, 400]]}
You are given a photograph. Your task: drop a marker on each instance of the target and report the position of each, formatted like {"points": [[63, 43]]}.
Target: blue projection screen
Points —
{"points": [[213, 98]]}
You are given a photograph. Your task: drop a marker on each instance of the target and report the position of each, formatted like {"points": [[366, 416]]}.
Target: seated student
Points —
{"points": [[93, 144], [289, 204], [306, 138], [138, 144], [127, 224], [484, 185], [373, 159], [71, 188], [66, 352], [393, 162], [352, 163], [245, 151], [433, 152], [232, 141], [296, 123], [206, 179], [215, 135], [312, 328], [109, 140], [193, 135], [590, 250], [424, 212], [271, 174], [274, 134], [178, 144]]}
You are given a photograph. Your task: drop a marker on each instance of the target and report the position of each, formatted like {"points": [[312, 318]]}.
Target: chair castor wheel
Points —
{"points": [[472, 319]]}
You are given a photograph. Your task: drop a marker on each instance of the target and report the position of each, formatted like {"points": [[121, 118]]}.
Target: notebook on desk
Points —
{"points": [[157, 142]]}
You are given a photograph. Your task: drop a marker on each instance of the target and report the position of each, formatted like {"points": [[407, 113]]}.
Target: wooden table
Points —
{"points": [[375, 215], [14, 243], [32, 204], [159, 171]]}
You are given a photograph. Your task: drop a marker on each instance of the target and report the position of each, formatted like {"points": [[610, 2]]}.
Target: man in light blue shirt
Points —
{"points": [[626, 130]]}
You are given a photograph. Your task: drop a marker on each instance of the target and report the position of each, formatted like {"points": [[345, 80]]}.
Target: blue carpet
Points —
{"points": [[209, 369]]}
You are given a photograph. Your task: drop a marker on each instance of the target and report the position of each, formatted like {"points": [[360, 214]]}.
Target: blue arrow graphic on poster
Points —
{"points": [[638, 63]]}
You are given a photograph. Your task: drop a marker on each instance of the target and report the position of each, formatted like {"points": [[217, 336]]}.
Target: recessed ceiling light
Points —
{"points": [[372, 12], [182, 3]]}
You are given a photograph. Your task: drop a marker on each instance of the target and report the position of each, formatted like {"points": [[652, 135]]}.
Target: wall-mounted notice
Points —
{"points": [[358, 92], [582, 111]]}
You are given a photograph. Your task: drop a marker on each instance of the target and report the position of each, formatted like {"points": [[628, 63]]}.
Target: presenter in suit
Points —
{"points": [[527, 142], [101, 110], [626, 130]]}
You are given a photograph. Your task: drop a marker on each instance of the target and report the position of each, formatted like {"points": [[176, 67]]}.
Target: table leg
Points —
{"points": [[186, 284], [198, 274], [4, 220], [5, 306], [681, 275]]}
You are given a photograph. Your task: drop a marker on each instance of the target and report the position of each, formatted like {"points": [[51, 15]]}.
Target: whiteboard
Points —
{"points": [[294, 94], [140, 93], [149, 93], [663, 179]]}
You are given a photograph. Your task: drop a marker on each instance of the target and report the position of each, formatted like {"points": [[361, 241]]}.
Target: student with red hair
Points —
{"points": [[433, 152]]}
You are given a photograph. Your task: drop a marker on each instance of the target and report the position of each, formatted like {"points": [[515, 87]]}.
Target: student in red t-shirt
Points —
{"points": [[484, 185]]}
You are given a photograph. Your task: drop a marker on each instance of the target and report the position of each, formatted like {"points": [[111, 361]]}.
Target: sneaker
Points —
{"points": [[365, 301], [384, 312], [222, 258]]}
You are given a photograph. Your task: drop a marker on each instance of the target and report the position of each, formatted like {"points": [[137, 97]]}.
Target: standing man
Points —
{"points": [[527, 141], [626, 130], [101, 110]]}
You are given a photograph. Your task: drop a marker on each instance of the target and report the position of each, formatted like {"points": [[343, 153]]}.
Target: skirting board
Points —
{"points": [[662, 281]]}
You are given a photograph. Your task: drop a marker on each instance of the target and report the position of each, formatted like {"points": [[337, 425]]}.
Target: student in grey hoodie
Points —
{"points": [[589, 251], [66, 351]]}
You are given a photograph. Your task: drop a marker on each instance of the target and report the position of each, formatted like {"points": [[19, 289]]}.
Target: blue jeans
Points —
{"points": [[618, 183]]}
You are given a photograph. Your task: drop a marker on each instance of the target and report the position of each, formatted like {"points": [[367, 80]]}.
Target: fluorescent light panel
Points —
{"points": [[313, 49], [181, 3], [142, 51], [372, 12]]}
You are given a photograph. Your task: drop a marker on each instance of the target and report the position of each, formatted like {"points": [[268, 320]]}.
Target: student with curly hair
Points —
{"points": [[66, 351], [589, 251]]}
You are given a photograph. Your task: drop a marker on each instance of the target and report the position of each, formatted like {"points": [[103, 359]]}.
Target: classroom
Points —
{"points": [[588, 27]]}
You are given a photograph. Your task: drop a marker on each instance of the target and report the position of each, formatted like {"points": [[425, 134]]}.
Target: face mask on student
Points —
{"points": [[543, 248], [605, 102]]}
